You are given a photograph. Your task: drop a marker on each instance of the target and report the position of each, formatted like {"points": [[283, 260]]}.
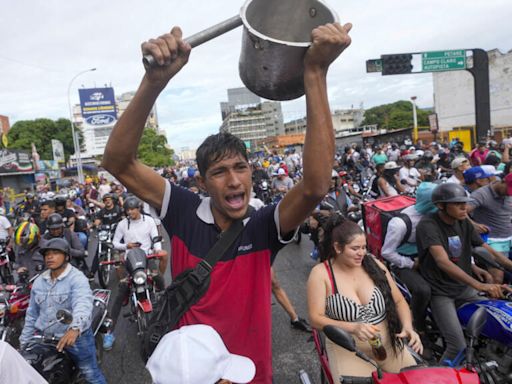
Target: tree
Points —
{"points": [[394, 116], [153, 150], [41, 132]]}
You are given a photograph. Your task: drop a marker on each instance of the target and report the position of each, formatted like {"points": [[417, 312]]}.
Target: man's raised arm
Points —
{"points": [[120, 157], [328, 42]]}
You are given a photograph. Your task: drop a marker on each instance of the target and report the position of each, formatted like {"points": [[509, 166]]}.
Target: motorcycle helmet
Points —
{"points": [[60, 199], [132, 202], [26, 234], [428, 155], [58, 244], [450, 193], [55, 221]]}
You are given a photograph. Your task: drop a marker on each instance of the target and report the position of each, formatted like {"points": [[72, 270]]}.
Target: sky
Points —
{"points": [[46, 43]]}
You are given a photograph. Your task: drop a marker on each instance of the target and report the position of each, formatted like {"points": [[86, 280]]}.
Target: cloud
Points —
{"points": [[45, 44]]}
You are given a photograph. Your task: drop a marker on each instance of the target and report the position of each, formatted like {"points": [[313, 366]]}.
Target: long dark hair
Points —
{"points": [[341, 230]]}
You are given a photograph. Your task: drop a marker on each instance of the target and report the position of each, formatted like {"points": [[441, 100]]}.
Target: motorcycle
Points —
{"points": [[419, 374], [141, 284], [105, 253], [263, 192], [494, 342], [58, 367], [14, 301], [6, 267]]}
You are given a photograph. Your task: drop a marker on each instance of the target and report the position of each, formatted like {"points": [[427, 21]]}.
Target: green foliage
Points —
{"points": [[153, 151], [41, 132], [394, 116]]}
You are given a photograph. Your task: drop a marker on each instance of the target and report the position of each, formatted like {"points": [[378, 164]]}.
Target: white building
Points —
{"points": [[454, 97], [343, 121]]}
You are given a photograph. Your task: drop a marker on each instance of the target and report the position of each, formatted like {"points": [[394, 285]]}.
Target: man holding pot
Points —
{"points": [[237, 303]]}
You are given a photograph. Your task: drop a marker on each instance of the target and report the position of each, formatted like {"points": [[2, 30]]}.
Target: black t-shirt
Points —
{"points": [[458, 241], [110, 216]]}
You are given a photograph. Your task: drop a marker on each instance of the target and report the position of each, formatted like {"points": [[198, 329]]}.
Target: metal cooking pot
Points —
{"points": [[275, 38]]}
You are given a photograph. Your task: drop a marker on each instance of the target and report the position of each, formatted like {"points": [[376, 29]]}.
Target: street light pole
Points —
{"points": [[76, 141], [415, 117]]}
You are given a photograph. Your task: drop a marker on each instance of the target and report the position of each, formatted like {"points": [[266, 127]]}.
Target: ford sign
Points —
{"points": [[97, 96], [100, 120]]}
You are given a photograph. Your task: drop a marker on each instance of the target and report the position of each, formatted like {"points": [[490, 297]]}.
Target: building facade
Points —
{"points": [[344, 121], [245, 116], [454, 97]]}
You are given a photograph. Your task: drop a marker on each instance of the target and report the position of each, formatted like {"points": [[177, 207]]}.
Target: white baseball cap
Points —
{"points": [[281, 171], [196, 354]]}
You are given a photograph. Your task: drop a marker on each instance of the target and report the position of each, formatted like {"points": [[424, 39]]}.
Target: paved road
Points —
{"points": [[292, 350]]}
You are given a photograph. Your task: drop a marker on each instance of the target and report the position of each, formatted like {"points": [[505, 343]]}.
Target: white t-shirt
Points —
{"points": [[103, 189], [15, 369], [5, 224], [140, 231], [453, 179], [410, 175]]}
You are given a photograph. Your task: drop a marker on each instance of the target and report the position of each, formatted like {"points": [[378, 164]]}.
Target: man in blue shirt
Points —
{"points": [[62, 286]]}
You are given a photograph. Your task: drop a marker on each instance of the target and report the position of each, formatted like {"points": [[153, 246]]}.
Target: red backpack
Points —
{"points": [[376, 216]]}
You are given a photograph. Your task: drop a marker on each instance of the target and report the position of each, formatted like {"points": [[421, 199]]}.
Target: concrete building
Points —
{"points": [[96, 137], [245, 116], [343, 120], [454, 97]]}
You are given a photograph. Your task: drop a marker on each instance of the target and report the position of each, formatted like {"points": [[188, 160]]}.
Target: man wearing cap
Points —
{"points": [[475, 178], [409, 175], [62, 286], [491, 207], [389, 183], [459, 165], [282, 183], [237, 301]]}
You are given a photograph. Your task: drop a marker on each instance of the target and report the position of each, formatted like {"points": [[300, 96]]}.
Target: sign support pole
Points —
{"points": [[480, 72]]}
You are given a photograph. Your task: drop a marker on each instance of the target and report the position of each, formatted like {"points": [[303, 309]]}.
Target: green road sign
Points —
{"points": [[374, 65], [439, 61]]}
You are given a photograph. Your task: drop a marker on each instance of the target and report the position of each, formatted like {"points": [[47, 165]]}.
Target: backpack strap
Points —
{"points": [[408, 224]]}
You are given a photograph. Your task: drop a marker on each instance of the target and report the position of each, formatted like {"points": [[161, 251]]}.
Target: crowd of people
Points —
{"points": [[462, 201]]}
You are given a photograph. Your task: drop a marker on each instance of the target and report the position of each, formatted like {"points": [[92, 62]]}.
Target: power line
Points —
{"points": [[30, 65]]}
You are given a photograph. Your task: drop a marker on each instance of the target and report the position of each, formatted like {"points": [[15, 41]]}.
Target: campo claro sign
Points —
{"points": [[98, 106]]}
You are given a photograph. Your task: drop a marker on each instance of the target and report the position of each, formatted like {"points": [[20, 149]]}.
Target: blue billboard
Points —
{"points": [[98, 106]]}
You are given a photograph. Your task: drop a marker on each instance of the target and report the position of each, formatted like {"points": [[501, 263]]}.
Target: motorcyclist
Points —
{"points": [[445, 240], [68, 215], [47, 207], [400, 251], [29, 204], [136, 230], [110, 214], [409, 175], [62, 286], [56, 229]]}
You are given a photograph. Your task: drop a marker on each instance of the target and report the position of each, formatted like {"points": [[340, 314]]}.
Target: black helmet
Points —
{"points": [[107, 196], [58, 244], [428, 155], [450, 193], [132, 202], [54, 221], [61, 199]]}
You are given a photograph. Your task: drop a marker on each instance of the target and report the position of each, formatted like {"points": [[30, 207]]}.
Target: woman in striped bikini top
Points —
{"points": [[362, 294]]}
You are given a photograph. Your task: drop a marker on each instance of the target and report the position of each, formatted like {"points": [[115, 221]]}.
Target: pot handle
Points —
{"points": [[202, 37]]}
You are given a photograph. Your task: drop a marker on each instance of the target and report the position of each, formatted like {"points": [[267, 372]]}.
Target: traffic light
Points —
{"points": [[396, 64]]}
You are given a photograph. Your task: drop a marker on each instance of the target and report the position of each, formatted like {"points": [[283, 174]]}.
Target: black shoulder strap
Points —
{"points": [[408, 224], [225, 241]]}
